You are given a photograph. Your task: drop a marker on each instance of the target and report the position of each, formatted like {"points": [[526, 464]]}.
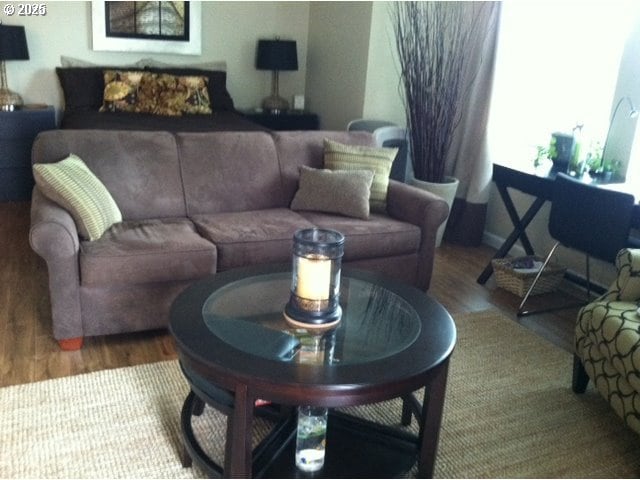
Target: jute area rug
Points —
{"points": [[510, 413]]}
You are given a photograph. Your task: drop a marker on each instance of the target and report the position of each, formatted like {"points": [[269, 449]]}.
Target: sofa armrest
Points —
{"points": [[425, 210], [626, 287], [53, 231], [53, 235]]}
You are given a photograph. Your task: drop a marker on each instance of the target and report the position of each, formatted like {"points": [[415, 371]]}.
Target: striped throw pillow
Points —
{"points": [[74, 187], [338, 156]]}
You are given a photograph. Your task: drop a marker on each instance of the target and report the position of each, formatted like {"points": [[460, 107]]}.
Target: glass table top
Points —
{"points": [[248, 315]]}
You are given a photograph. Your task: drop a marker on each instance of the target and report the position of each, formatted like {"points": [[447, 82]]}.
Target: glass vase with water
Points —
{"points": [[311, 438]]}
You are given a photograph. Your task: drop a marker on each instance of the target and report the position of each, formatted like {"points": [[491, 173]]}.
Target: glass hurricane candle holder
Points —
{"points": [[315, 284]]}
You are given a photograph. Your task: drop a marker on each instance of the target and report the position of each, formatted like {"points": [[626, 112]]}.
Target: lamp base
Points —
{"points": [[275, 104], [9, 101]]}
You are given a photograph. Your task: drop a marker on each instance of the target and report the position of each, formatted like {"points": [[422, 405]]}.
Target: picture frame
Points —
{"points": [[189, 44]]}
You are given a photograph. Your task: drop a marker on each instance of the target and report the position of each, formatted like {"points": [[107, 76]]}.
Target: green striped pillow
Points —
{"points": [[338, 156], [74, 187]]}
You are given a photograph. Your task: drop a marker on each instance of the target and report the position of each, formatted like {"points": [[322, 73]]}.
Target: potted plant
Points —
{"points": [[434, 41], [603, 170]]}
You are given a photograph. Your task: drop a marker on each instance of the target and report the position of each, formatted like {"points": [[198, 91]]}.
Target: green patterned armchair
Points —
{"points": [[607, 342]]}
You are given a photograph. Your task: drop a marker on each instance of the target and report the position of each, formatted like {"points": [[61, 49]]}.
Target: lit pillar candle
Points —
{"points": [[314, 278]]}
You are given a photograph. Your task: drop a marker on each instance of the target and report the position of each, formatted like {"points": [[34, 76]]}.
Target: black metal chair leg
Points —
{"points": [[521, 310]]}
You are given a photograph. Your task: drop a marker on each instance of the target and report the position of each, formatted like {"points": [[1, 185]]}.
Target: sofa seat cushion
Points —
{"points": [[147, 251], [251, 237], [379, 236], [614, 327]]}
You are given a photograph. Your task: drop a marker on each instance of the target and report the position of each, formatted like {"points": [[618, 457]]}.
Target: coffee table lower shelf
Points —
{"points": [[356, 448]]}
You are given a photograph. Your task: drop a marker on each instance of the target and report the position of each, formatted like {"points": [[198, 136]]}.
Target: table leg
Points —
{"points": [[405, 418], [410, 407], [520, 225], [238, 450], [432, 407], [191, 449]]}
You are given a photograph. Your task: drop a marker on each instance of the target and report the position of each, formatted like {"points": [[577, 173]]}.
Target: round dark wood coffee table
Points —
{"points": [[235, 348]]}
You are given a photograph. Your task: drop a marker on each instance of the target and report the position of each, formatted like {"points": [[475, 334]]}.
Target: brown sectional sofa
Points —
{"points": [[197, 203]]}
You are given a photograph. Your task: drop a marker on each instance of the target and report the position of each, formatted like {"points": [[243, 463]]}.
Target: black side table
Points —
{"points": [[18, 129], [290, 120]]}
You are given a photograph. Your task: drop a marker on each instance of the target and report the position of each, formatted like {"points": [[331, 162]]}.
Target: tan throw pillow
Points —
{"points": [[74, 187], [121, 90], [343, 192], [379, 160]]}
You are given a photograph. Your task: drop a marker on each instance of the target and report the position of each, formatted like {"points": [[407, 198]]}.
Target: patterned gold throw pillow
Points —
{"points": [[135, 91], [75, 188], [173, 95], [379, 160], [121, 90], [193, 90]]}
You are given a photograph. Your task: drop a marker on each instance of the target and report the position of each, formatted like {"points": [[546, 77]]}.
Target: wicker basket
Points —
{"points": [[519, 282]]}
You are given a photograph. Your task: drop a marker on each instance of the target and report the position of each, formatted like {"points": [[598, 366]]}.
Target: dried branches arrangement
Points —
{"points": [[434, 44]]}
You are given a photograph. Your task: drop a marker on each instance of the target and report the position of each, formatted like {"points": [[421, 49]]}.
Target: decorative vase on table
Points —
{"points": [[446, 190]]}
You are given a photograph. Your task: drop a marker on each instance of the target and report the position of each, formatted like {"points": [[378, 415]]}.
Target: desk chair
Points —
{"points": [[387, 134], [591, 219]]}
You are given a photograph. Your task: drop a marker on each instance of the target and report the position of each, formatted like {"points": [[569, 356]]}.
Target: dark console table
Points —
{"points": [[17, 132], [539, 184], [290, 120]]}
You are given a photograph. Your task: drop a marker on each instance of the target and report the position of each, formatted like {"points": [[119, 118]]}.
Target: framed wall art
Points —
{"points": [[162, 27]]}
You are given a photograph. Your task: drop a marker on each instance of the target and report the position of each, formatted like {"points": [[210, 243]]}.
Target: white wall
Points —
{"points": [[352, 70], [230, 31], [383, 98], [337, 61]]}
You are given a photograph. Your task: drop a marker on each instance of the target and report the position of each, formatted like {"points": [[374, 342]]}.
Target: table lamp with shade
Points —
{"points": [[276, 55], [13, 46]]}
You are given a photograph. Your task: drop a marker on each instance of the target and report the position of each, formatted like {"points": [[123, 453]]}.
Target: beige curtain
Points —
{"points": [[468, 159]]}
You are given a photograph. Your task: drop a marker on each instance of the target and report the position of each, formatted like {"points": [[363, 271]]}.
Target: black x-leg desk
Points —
{"points": [[539, 184]]}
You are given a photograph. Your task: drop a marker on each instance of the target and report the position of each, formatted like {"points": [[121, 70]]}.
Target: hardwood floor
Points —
{"points": [[28, 352]]}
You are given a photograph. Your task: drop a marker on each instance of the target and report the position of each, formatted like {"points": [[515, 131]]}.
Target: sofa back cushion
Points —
{"points": [[299, 148], [139, 169], [229, 172]]}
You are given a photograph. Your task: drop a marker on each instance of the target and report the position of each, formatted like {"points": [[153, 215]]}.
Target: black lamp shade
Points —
{"points": [[13, 43], [277, 55]]}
